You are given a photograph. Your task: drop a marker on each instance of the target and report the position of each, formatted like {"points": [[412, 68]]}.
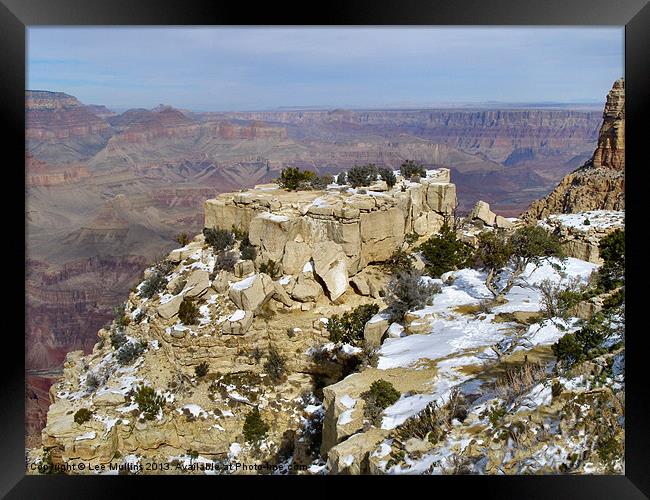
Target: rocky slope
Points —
{"points": [[600, 183], [259, 338], [122, 186]]}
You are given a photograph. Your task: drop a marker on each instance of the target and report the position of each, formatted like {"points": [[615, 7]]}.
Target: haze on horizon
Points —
{"points": [[261, 68]]}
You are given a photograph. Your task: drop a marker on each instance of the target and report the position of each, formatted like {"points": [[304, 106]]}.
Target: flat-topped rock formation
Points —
{"points": [[366, 225]]}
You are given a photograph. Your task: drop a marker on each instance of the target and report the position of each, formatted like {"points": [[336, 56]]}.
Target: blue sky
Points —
{"points": [[218, 69]]}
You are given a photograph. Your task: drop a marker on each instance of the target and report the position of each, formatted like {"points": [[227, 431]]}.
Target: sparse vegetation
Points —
{"points": [[586, 343], [293, 179], [149, 403], [118, 339], [526, 245], [248, 252], [612, 250], [411, 238], [388, 176], [407, 291], [433, 422], [400, 261], [380, 396], [349, 326], [271, 268], [154, 284], [275, 365], [120, 317], [322, 181], [409, 169], [82, 416], [518, 379], [558, 299], [182, 239], [255, 429], [495, 413], [219, 239], [226, 261], [445, 252], [188, 313], [363, 175], [130, 351], [257, 354], [202, 369]]}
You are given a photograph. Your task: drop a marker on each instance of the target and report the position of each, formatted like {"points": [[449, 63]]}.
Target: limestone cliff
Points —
{"points": [[239, 320], [600, 183], [326, 244]]}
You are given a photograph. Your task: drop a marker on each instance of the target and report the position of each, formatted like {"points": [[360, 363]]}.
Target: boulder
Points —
{"points": [[253, 292], [306, 289], [482, 212], [351, 456], [169, 309], [375, 329], [185, 252], [244, 268], [330, 264], [296, 253], [270, 232], [197, 282], [381, 233], [360, 284], [281, 295], [502, 222], [237, 323], [175, 282], [222, 282]]}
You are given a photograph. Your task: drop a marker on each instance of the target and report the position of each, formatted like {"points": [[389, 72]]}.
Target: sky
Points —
{"points": [[248, 68]]}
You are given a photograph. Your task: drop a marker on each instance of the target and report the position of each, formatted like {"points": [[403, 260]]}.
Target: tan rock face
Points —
{"points": [[351, 456], [581, 241], [253, 292], [610, 152], [286, 226], [381, 233], [600, 183], [482, 212], [306, 289], [170, 308], [197, 283], [296, 255], [374, 330], [330, 264]]}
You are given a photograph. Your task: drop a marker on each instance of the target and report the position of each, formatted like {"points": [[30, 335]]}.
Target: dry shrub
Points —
{"points": [[518, 379], [433, 421]]}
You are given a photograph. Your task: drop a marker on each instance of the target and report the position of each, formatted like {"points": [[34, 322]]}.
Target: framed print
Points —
{"points": [[383, 241]]}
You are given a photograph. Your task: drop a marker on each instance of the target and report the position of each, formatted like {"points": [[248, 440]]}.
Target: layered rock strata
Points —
{"points": [[600, 183], [341, 229]]}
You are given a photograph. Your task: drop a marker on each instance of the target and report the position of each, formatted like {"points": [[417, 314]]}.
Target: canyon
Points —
{"points": [[107, 193]]}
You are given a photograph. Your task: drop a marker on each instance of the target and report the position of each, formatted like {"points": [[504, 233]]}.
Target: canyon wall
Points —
{"points": [[600, 183]]}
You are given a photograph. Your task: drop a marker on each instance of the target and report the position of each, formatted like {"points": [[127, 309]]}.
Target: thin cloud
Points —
{"points": [[259, 68]]}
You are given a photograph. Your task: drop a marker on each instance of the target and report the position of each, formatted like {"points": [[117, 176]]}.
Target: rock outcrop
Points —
{"points": [[482, 213], [364, 226], [600, 183], [581, 232]]}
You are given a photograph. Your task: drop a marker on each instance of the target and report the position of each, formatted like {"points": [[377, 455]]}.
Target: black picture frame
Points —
{"points": [[16, 15]]}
